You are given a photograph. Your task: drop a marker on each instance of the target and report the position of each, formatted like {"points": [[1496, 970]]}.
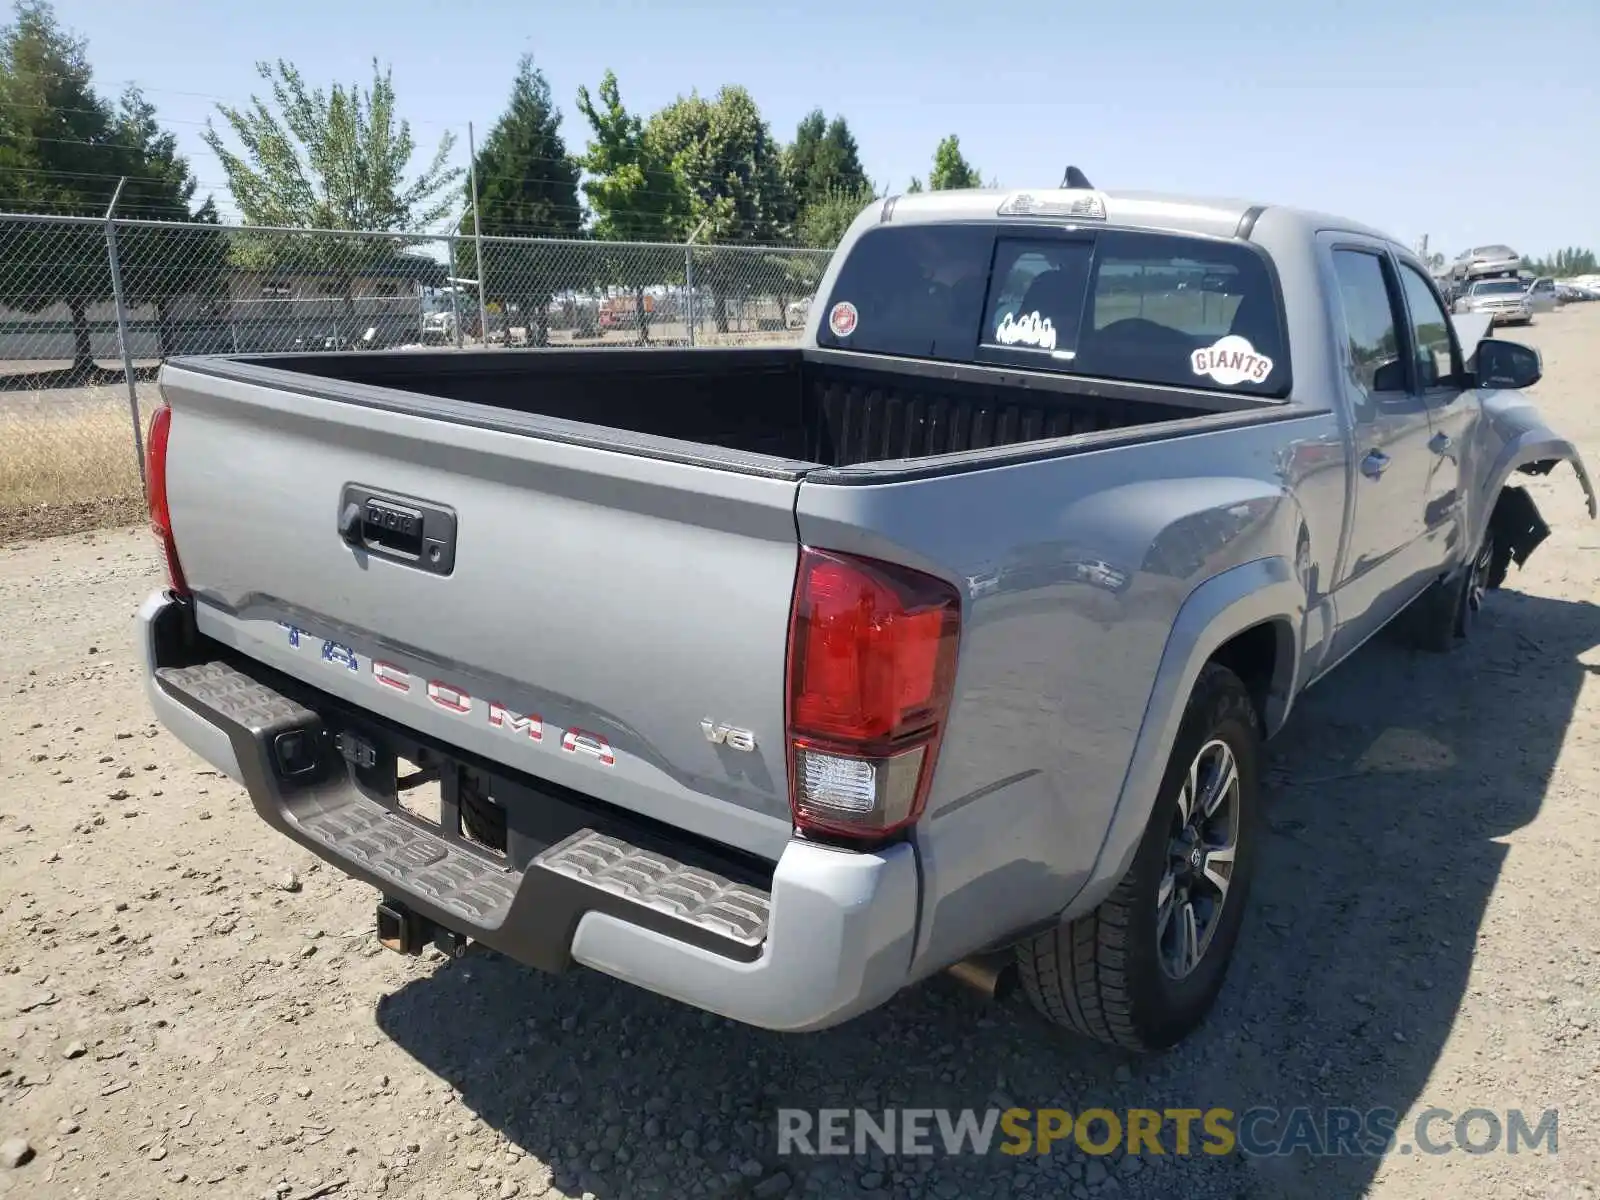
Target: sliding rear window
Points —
{"points": [[1114, 304]]}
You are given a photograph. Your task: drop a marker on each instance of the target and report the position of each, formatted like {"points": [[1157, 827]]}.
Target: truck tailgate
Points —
{"points": [[600, 607]]}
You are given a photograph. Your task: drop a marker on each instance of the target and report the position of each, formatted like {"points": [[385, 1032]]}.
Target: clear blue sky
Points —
{"points": [[1469, 121]]}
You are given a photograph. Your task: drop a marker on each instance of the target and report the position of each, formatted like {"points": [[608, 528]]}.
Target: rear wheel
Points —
{"points": [[1142, 970]]}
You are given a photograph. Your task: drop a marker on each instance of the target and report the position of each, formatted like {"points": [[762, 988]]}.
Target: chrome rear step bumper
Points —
{"points": [[829, 936], [302, 785]]}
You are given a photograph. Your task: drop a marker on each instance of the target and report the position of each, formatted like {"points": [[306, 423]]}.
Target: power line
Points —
{"points": [[708, 179], [412, 240], [142, 88], [19, 106], [513, 228], [56, 173]]}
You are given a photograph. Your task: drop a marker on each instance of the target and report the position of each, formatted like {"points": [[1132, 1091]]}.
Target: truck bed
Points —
{"points": [[569, 563], [814, 406]]}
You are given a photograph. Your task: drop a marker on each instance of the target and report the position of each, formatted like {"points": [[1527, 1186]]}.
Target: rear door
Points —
{"points": [[1384, 553], [598, 606]]}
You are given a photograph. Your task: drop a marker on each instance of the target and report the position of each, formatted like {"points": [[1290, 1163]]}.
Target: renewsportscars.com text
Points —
{"points": [[1180, 1132]]}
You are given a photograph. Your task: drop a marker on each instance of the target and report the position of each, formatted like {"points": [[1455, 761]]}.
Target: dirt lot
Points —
{"points": [[190, 1005]]}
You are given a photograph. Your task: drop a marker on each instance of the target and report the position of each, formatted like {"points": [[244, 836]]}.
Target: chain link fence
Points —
{"points": [[89, 308]]}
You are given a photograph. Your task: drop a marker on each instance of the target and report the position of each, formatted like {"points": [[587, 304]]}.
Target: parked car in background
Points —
{"points": [[1485, 262], [1578, 290], [627, 311], [1542, 295], [1503, 301]]}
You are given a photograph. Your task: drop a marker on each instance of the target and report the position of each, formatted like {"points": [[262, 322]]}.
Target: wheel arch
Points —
{"points": [[1521, 442], [1252, 615]]}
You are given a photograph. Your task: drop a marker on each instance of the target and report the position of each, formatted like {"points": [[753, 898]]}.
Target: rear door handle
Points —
{"points": [[1440, 443], [1374, 464]]}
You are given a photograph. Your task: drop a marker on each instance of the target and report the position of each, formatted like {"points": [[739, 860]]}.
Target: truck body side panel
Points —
{"points": [[1072, 572]]}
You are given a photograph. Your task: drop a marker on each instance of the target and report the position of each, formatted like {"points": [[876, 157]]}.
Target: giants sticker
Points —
{"points": [[842, 319], [1230, 361]]}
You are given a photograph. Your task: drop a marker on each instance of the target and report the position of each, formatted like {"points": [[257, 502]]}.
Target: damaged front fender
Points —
{"points": [[1518, 530], [1519, 441], [1543, 466]]}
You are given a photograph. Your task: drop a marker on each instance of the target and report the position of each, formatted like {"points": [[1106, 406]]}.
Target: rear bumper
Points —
{"points": [[831, 937]]}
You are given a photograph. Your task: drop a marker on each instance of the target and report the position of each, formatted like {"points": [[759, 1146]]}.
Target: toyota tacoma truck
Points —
{"points": [[777, 679]]}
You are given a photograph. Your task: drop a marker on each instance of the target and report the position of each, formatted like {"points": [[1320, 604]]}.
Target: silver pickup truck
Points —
{"points": [[777, 679]]}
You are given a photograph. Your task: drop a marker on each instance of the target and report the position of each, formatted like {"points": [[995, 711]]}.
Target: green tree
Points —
{"points": [[636, 191], [1564, 264], [730, 164], [527, 186], [329, 160], [732, 169], [916, 185], [951, 169], [823, 222], [823, 161], [180, 271], [63, 149]]}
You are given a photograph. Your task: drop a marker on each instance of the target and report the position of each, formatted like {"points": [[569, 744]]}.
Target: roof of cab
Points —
{"points": [[1214, 217]]}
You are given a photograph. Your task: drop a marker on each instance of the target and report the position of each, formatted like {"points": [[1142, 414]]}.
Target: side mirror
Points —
{"points": [[1390, 377], [1506, 365]]}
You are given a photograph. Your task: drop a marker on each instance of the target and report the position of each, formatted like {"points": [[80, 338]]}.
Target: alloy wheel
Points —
{"points": [[1200, 859]]}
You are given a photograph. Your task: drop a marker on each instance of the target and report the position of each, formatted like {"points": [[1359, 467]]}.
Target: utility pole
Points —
{"points": [[477, 237], [122, 324], [688, 274]]}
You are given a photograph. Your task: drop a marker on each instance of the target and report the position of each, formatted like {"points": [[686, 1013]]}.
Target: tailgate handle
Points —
{"points": [[401, 529], [390, 527], [350, 523]]}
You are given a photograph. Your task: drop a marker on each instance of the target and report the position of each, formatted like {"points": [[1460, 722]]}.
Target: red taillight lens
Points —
{"points": [[155, 482], [872, 660]]}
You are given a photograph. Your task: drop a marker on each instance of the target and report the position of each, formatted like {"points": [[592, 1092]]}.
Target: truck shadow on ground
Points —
{"points": [[1386, 795]]}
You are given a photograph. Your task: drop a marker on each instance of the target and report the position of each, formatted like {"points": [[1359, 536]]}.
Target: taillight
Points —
{"points": [[872, 661], [155, 482]]}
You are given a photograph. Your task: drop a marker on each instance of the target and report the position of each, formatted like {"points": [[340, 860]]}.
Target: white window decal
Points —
{"points": [[1030, 329], [1231, 360], [842, 319]]}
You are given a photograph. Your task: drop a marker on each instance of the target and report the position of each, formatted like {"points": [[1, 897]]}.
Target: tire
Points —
{"points": [[1112, 974], [1499, 565], [483, 820], [1444, 617]]}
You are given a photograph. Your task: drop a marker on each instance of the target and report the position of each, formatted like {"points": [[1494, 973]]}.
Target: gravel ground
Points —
{"points": [[191, 1005]]}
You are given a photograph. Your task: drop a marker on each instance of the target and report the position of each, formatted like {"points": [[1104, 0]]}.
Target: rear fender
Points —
{"points": [[1266, 590]]}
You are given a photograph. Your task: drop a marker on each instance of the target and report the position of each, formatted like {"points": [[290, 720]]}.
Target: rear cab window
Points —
{"points": [[1115, 304]]}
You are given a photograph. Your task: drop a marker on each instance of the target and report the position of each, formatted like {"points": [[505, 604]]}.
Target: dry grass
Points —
{"points": [[60, 473]]}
